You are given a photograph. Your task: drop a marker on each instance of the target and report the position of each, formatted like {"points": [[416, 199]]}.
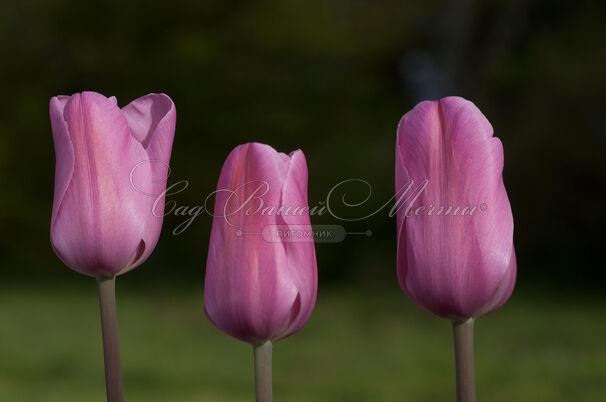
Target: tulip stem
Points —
{"points": [[111, 349], [262, 354], [463, 343]]}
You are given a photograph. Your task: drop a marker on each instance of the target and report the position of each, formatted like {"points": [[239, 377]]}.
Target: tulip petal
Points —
{"points": [[452, 265], [151, 120], [249, 291], [301, 255], [99, 222], [503, 291], [64, 152]]}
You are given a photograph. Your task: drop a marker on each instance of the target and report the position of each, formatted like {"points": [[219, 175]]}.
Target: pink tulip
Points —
{"points": [[110, 164], [258, 290], [456, 265]]}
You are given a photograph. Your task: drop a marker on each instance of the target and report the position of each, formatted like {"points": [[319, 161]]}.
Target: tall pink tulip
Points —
{"points": [[256, 289], [102, 221], [110, 164], [457, 264]]}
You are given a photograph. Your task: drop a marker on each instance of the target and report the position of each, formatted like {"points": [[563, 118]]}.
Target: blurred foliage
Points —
{"points": [[332, 77], [382, 348]]}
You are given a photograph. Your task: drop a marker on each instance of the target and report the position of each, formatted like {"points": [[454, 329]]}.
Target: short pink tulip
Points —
{"points": [[258, 290], [452, 265], [110, 165]]}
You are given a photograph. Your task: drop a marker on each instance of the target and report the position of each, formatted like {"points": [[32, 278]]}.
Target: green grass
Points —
{"points": [[368, 345]]}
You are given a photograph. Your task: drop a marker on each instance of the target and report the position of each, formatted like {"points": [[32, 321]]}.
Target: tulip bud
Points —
{"points": [[111, 164], [258, 290], [455, 263]]}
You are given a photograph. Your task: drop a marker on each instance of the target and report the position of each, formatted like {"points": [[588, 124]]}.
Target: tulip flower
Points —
{"points": [[258, 290], [455, 243], [111, 167]]}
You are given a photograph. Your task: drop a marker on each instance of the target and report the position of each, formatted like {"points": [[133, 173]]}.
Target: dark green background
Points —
{"points": [[332, 78]]}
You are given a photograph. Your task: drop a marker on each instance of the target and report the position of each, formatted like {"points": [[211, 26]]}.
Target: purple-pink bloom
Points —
{"points": [[257, 290], [454, 265], [111, 164]]}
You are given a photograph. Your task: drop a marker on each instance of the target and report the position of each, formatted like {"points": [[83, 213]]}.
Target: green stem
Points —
{"points": [[262, 354], [111, 349], [463, 343]]}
